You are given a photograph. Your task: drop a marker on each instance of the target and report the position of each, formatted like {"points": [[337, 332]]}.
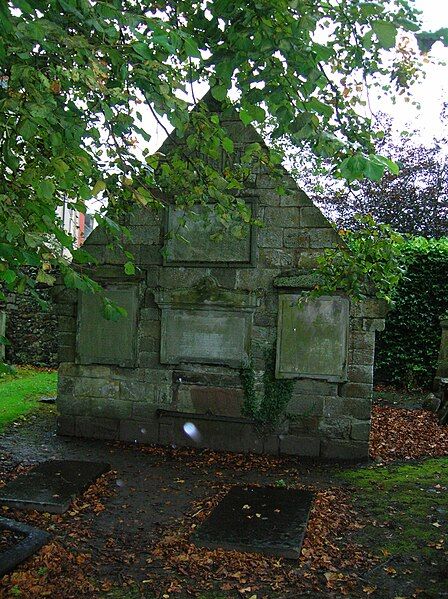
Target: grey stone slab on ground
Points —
{"points": [[32, 539], [51, 486], [267, 520]]}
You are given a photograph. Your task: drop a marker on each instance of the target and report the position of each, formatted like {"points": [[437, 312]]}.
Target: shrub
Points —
{"points": [[407, 351]]}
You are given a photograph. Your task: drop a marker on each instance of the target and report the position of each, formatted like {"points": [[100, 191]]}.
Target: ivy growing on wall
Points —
{"points": [[267, 409]]}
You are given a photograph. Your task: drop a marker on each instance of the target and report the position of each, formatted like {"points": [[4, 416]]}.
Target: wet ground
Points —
{"points": [[152, 491]]}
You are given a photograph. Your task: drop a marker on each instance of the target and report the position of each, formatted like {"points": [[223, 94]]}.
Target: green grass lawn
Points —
{"points": [[19, 393]]}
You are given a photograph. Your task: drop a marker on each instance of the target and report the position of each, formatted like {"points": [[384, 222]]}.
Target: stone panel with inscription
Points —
{"points": [[198, 244], [101, 341], [206, 325], [312, 338]]}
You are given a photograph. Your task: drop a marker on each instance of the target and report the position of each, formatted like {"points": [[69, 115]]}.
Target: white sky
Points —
{"points": [[430, 92]]}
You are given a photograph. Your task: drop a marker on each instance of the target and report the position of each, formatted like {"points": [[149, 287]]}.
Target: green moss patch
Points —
{"points": [[407, 505]]}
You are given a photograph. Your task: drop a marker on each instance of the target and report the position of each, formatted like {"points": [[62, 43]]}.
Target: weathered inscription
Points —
{"points": [[101, 341], [312, 338]]}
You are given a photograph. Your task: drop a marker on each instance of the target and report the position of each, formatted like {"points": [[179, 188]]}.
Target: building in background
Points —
{"points": [[76, 223]]}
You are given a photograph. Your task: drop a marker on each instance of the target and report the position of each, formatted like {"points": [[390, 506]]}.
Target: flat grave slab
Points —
{"points": [[18, 541], [267, 520], [51, 486]]}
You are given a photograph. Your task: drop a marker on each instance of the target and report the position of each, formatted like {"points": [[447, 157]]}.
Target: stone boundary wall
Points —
{"points": [[32, 331]]}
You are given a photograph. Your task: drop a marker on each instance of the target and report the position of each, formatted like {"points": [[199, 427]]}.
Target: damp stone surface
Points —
{"points": [[52, 485], [267, 520], [30, 540]]}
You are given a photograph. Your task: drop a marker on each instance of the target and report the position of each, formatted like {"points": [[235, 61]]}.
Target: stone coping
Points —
{"points": [[33, 541]]}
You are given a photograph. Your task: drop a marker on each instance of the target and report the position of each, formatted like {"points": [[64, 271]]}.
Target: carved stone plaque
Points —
{"points": [[207, 327], [312, 338], [101, 341], [198, 244]]}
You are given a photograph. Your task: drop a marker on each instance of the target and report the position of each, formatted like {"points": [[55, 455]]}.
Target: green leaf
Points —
{"points": [[44, 277], [374, 170], [129, 268], [9, 276], [27, 129], [227, 144], [98, 187], [112, 311], [386, 33], [245, 117], [46, 189], [219, 92], [191, 48]]}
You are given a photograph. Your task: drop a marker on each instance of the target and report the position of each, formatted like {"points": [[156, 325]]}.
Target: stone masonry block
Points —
{"points": [[307, 259], [370, 308], [299, 445], [139, 431], [66, 384], [335, 428], [306, 405], [313, 217], [254, 278], [335, 449], [315, 387], [149, 235], [276, 257], [135, 391], [270, 182], [94, 371], [97, 428], [144, 411], [75, 406], [68, 369], [361, 374], [373, 324], [360, 430], [282, 217], [356, 390], [67, 324], [148, 344], [149, 359], [268, 197], [172, 277], [226, 277], [270, 238], [102, 388], [323, 238], [66, 353], [110, 408], [65, 425], [362, 340], [296, 238], [359, 408], [361, 357], [295, 198]]}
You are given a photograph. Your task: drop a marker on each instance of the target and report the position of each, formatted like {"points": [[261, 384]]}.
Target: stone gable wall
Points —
{"points": [[152, 401]]}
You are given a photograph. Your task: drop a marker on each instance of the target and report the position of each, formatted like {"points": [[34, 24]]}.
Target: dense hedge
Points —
{"points": [[407, 350]]}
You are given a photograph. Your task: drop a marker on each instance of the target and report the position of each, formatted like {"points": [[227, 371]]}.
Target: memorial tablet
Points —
{"points": [[102, 341], [312, 338]]}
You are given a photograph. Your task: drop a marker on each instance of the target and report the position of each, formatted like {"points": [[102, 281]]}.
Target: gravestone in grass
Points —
{"points": [[265, 520]]}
